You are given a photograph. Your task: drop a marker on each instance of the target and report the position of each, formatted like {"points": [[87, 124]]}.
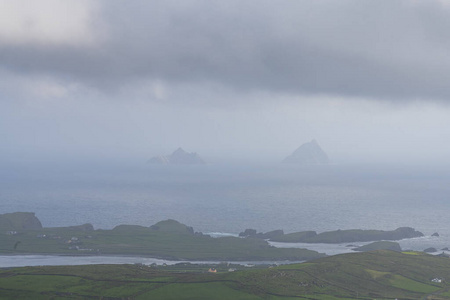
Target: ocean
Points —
{"points": [[226, 199]]}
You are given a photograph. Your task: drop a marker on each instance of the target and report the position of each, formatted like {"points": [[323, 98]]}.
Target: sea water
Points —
{"points": [[228, 199]]}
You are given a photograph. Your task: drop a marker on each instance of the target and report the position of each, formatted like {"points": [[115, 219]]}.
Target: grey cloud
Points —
{"points": [[376, 49]]}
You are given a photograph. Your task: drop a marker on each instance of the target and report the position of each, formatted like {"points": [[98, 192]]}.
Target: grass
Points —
{"points": [[381, 245], [377, 274], [207, 291], [370, 275], [412, 285], [412, 252]]}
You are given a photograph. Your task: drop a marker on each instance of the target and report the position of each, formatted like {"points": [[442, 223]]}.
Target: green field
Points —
{"points": [[370, 275]]}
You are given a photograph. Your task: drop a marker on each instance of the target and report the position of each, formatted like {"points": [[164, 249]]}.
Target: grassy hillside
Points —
{"points": [[383, 245], [369, 275]]}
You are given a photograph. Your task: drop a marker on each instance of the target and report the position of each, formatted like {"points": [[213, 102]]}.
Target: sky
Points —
{"points": [[231, 80]]}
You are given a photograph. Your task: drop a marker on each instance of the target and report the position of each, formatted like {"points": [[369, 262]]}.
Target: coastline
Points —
{"points": [[9, 261]]}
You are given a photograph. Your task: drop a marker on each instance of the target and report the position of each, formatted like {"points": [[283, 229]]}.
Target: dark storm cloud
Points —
{"points": [[375, 49]]}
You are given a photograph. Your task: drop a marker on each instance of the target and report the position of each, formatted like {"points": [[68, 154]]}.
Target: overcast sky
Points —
{"points": [[230, 80]]}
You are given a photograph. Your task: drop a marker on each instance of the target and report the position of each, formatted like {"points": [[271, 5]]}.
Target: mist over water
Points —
{"points": [[224, 198]]}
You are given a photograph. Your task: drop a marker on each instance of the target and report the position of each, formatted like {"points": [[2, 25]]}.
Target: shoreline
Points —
{"points": [[29, 260]]}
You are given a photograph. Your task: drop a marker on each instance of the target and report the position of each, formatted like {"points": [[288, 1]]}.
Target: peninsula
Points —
{"points": [[22, 233], [341, 236], [167, 239]]}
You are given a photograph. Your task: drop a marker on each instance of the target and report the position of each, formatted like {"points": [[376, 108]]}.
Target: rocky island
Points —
{"points": [[335, 237], [178, 157], [308, 154]]}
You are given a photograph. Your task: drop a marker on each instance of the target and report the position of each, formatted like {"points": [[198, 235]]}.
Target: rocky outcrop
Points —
{"points": [[295, 237], [248, 233], [308, 154], [348, 236], [19, 221], [178, 157], [383, 245], [268, 235], [172, 226], [430, 250]]}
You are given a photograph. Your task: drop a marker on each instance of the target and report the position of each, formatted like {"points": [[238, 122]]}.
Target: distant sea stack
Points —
{"points": [[308, 154], [178, 157]]}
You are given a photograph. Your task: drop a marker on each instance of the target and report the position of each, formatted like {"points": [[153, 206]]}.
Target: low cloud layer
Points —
{"points": [[395, 50], [231, 79]]}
